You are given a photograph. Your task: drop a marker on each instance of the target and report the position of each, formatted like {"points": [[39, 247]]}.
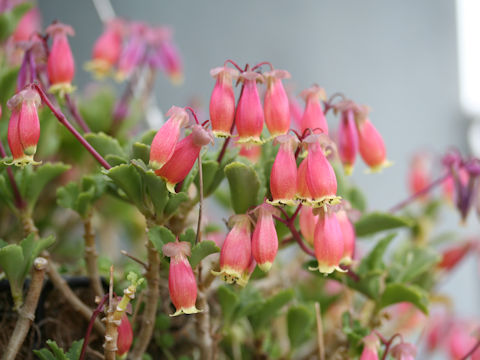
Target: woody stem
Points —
{"points": [[72, 107]]}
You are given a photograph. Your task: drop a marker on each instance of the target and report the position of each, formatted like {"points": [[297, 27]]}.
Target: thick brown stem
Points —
{"points": [[91, 257], [148, 317], [26, 315], [203, 326]]}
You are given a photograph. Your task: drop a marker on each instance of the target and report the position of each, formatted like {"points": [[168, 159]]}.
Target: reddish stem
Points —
{"points": [[290, 223], [233, 63], [72, 107], [63, 120], [19, 202], [420, 193], [97, 311], [472, 351], [193, 113], [261, 64], [388, 342]]}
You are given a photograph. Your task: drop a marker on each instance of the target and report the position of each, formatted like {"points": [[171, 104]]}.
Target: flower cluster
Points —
{"points": [[125, 46]]}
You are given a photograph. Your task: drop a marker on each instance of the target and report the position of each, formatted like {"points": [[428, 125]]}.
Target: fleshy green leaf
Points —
{"points": [[228, 300], [189, 236], [12, 263], [202, 250], [6, 193], [395, 293], [74, 351], [374, 259], [105, 145], [357, 199], [159, 236], [97, 110], [141, 151], [57, 353], [376, 221], [299, 322], [270, 308], [415, 262], [127, 178], [174, 202], [154, 185], [244, 186]]}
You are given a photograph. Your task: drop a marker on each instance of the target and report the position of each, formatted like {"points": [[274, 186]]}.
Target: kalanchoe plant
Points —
{"points": [[289, 204]]}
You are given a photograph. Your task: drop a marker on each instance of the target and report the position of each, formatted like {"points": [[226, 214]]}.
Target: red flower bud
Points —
{"points": [[236, 253], [283, 177], [321, 179], [181, 280], [348, 233], [328, 243], [30, 23], [107, 49], [60, 65], [347, 141], [404, 351], [172, 61], [24, 127], [276, 105], [125, 336], [249, 116], [163, 144], [186, 152], [222, 101], [265, 239], [133, 51], [454, 255], [370, 348], [308, 221], [313, 117], [303, 193], [371, 145], [419, 175]]}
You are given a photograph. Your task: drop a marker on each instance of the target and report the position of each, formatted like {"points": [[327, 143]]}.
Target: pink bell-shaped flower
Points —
{"points": [[370, 347], [222, 101], [236, 253], [265, 239], [419, 174], [308, 221], [404, 351], [251, 152], [30, 23], [172, 62], [125, 336], [303, 193], [184, 156], [243, 281], [371, 145], [321, 179], [348, 140], [249, 116], [163, 144], [133, 52], [107, 49], [313, 117], [283, 177], [276, 105], [181, 280], [348, 233], [60, 64], [328, 243], [24, 127]]}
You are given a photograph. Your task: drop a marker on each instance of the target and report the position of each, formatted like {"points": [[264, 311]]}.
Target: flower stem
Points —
{"points": [[472, 351], [321, 345], [200, 203], [95, 313], [26, 315], [63, 120], [261, 64], [91, 256], [72, 107]]}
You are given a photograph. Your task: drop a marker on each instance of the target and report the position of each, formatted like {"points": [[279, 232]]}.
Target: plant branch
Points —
{"points": [[26, 315], [72, 107], [203, 324], [95, 313], [134, 258], [63, 120], [91, 256], [321, 344], [200, 203]]}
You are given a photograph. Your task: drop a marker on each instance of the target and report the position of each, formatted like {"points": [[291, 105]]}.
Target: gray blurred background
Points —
{"points": [[399, 57]]}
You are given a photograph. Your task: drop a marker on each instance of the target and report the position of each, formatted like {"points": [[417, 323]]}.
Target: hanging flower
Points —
{"points": [[276, 105], [60, 64], [249, 116]]}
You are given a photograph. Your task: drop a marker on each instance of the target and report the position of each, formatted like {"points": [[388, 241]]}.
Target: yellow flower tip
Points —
{"points": [[176, 78], [324, 201], [379, 168], [221, 134], [61, 89], [99, 68], [347, 260], [186, 311], [155, 165], [229, 275], [326, 269], [254, 140], [23, 161], [279, 202], [265, 267], [170, 186], [348, 169], [120, 76]]}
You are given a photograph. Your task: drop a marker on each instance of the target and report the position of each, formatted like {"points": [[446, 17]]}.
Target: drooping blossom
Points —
{"points": [[276, 105], [313, 117], [60, 65], [249, 116], [265, 239]]}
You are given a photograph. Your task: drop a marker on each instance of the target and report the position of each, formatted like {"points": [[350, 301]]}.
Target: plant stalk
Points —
{"points": [[91, 256], [72, 107]]}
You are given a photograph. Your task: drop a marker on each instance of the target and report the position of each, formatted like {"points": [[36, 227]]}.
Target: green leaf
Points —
{"points": [[396, 292], [299, 322], [270, 308], [105, 145], [115, 160], [6, 193], [12, 263], [415, 262], [97, 110], [34, 181], [377, 221], [357, 199], [374, 259], [8, 80], [174, 202], [141, 151], [155, 186], [44, 354], [148, 136], [57, 353], [228, 300], [9, 19], [127, 178], [75, 350], [244, 186], [189, 236], [202, 250], [159, 236]]}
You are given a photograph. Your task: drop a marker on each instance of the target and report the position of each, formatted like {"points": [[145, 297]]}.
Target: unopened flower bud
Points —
{"points": [[183, 158], [236, 253], [308, 221], [249, 116], [265, 239], [328, 243], [283, 177], [313, 117], [276, 105], [370, 347], [125, 336], [452, 256], [60, 65], [163, 144], [348, 233], [29, 24], [348, 141], [303, 193], [404, 351], [222, 101], [419, 174], [181, 280]]}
